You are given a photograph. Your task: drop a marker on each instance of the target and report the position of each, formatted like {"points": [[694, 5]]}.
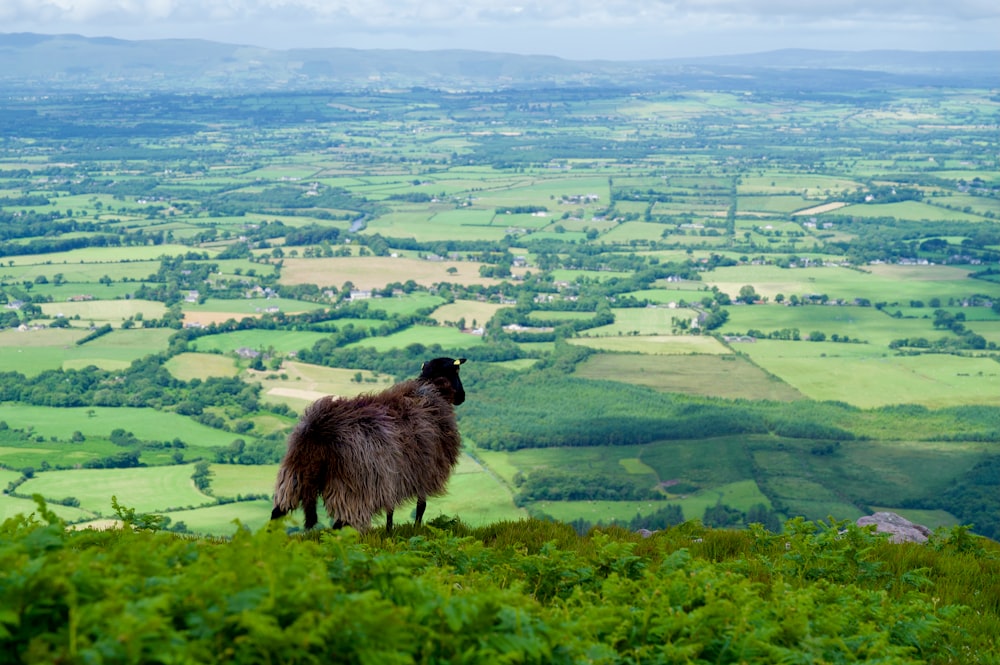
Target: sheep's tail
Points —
{"points": [[297, 476], [287, 492]]}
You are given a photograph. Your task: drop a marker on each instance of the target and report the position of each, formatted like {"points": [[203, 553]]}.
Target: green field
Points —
{"points": [[232, 480], [187, 366], [19, 454], [473, 494], [909, 210], [33, 351], [299, 384], [405, 304], [101, 311], [282, 341], [113, 257], [873, 327], [150, 489], [659, 345], [474, 312], [642, 321], [446, 336], [867, 377], [895, 285], [147, 424], [711, 375], [223, 520], [11, 506], [251, 306], [741, 495]]}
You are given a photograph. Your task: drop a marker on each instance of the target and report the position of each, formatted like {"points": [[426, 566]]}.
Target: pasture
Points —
{"points": [[447, 336], [741, 495], [299, 384], [867, 324], [712, 375], [188, 366], [654, 345], [118, 349], [423, 229], [473, 494], [570, 276], [474, 312], [237, 309], [376, 272], [65, 292], [909, 210], [77, 271], [232, 480], [892, 284], [642, 321], [11, 506], [867, 378], [222, 520], [32, 351], [147, 489], [117, 258], [280, 341], [20, 454], [405, 304], [99, 421], [665, 296], [105, 311]]}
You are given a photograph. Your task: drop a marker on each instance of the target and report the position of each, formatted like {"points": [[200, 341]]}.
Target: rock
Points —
{"points": [[900, 529]]}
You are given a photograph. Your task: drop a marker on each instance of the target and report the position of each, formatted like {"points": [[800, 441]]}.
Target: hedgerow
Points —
{"points": [[518, 592]]}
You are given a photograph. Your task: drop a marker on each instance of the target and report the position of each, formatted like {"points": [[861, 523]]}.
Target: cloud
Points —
{"points": [[444, 13], [580, 29]]}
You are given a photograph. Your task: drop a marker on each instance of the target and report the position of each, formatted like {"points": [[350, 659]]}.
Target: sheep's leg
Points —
{"points": [[339, 524], [388, 521], [310, 509], [421, 507], [277, 513]]}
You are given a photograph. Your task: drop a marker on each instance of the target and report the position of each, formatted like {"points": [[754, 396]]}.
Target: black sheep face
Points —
{"points": [[447, 369]]}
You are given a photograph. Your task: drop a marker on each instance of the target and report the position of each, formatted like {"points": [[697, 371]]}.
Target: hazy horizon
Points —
{"points": [[576, 30]]}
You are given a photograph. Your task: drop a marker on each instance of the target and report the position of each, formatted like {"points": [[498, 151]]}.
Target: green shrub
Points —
{"points": [[513, 592]]}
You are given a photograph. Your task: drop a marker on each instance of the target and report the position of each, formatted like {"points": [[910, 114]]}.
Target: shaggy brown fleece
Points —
{"points": [[370, 453]]}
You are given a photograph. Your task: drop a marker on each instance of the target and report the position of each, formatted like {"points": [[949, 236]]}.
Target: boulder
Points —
{"points": [[900, 529]]}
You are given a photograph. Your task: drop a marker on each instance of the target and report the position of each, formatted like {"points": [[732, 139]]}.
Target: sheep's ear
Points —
{"points": [[423, 368], [459, 361]]}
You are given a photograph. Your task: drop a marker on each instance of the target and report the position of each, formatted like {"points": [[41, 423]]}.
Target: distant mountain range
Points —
{"points": [[72, 62]]}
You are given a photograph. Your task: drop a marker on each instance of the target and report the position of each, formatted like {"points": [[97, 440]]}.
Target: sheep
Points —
{"points": [[374, 451]]}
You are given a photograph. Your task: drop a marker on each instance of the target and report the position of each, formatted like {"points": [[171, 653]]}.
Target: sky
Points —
{"points": [[573, 29]]}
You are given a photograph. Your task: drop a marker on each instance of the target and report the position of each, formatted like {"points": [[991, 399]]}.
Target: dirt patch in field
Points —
{"points": [[818, 210]]}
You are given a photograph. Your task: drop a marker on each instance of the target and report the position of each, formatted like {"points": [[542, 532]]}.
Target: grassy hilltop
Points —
{"points": [[518, 592]]}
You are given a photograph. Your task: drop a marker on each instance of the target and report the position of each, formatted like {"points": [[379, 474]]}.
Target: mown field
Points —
{"points": [[145, 423]]}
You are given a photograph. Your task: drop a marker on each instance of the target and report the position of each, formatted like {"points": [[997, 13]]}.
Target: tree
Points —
{"points": [[748, 294]]}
